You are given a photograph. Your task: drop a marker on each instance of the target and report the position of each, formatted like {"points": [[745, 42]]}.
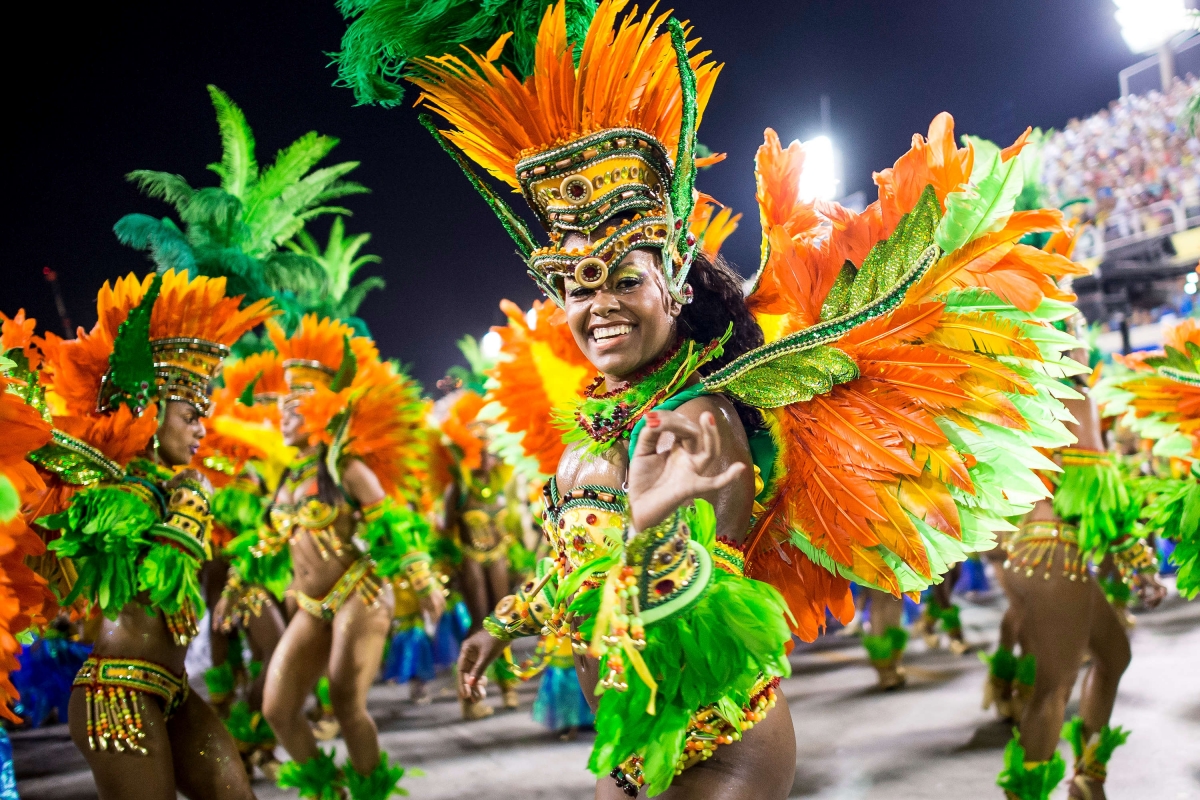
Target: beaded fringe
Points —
{"points": [[114, 716]]}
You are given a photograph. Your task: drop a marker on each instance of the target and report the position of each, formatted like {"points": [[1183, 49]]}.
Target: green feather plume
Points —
{"points": [[171, 578], [386, 38], [219, 679], [1093, 497], [1098, 751], [711, 653], [248, 727], [131, 363], [382, 783], [397, 532], [1001, 664]]}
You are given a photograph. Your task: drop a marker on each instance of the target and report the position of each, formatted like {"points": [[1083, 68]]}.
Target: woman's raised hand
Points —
{"points": [[676, 461]]}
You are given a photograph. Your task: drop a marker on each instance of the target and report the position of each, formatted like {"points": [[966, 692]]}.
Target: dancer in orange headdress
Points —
{"points": [[358, 423], [244, 456], [128, 400], [1160, 401], [869, 413]]}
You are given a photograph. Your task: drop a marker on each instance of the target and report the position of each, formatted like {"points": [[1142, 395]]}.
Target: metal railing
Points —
{"points": [[1130, 227]]}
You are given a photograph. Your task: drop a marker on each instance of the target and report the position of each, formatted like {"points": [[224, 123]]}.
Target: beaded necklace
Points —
{"points": [[601, 418]]}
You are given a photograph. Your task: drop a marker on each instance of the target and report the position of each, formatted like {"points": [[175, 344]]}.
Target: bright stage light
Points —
{"points": [[490, 344], [1190, 288], [1192, 278], [819, 179], [1147, 24]]}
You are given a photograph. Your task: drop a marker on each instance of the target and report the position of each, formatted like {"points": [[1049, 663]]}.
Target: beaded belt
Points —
{"points": [[1036, 544], [359, 577], [706, 731], [111, 693]]}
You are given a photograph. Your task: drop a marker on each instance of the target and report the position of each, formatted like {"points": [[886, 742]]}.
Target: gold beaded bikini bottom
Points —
{"points": [[1036, 544], [360, 577], [112, 693]]}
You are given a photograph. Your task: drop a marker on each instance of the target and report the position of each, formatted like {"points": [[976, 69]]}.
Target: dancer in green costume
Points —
{"points": [[737, 461]]}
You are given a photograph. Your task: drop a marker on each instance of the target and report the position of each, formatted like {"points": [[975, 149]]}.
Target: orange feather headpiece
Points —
{"points": [[610, 139], [312, 356], [189, 328]]}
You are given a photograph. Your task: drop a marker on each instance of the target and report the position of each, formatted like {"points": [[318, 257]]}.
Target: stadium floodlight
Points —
{"points": [[819, 179], [1147, 25], [490, 344]]}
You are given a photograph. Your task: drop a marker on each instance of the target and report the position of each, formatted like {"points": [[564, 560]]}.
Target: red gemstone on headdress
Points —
{"points": [[590, 519], [678, 224], [579, 543], [575, 189], [664, 587], [591, 272]]}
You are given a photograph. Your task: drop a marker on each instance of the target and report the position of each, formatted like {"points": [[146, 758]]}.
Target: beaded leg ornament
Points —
{"points": [[112, 697], [1036, 546], [114, 717]]}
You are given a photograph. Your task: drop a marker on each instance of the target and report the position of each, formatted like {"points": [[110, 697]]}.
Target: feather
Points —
{"points": [[929, 390], [945, 464], [898, 533], [807, 588], [982, 207], [906, 324], [928, 499], [984, 333]]}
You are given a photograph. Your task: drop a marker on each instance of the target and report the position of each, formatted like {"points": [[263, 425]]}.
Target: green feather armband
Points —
{"points": [[398, 539], [105, 532]]}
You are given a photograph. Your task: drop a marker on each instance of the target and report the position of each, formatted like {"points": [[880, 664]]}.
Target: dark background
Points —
{"points": [[97, 92]]}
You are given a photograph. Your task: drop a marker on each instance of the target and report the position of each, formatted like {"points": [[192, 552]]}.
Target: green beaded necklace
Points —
{"points": [[600, 419]]}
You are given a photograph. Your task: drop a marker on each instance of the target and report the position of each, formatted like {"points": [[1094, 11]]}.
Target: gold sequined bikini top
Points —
{"points": [[310, 514]]}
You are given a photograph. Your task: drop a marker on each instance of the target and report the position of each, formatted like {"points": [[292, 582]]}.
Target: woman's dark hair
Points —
{"points": [[717, 301]]}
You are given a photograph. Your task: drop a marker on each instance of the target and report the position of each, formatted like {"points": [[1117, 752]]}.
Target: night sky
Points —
{"points": [[95, 93]]}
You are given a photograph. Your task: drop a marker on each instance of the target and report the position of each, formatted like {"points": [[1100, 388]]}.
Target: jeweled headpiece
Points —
{"points": [[603, 140], [321, 353], [172, 343]]}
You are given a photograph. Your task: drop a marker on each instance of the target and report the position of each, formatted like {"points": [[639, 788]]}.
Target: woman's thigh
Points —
{"points": [[299, 661], [207, 763], [359, 637], [120, 776]]}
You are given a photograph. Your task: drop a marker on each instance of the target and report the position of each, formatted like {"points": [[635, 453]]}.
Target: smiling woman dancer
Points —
{"points": [[138, 536], [700, 459], [357, 423]]}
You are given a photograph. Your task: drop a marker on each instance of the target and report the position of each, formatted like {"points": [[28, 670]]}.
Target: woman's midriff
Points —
{"points": [[140, 632], [315, 574]]}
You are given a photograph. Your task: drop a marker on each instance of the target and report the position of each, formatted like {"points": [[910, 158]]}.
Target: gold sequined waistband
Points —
{"points": [[359, 576]]}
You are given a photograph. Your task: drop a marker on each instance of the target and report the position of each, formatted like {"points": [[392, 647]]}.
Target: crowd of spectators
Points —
{"points": [[1127, 159]]}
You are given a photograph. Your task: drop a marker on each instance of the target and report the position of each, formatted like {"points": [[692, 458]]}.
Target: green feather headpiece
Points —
{"points": [[130, 378]]}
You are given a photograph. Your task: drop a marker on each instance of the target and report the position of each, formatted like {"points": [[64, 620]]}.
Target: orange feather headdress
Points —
{"points": [[612, 138], [245, 418], [353, 403]]}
